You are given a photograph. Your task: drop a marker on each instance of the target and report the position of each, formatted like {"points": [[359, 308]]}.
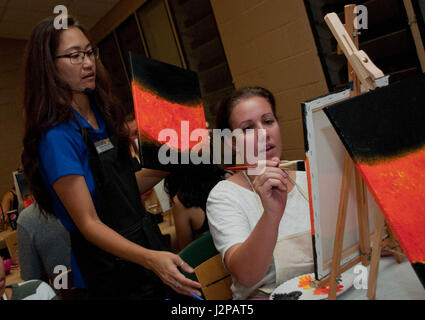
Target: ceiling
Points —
{"points": [[19, 17]]}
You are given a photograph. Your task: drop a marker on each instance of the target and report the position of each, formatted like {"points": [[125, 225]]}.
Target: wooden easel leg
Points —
{"points": [[340, 227], [363, 219], [391, 245], [376, 255], [398, 254]]}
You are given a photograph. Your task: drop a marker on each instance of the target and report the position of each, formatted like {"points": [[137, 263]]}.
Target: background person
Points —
{"points": [[28, 290], [260, 224], [43, 244], [189, 188], [130, 120]]}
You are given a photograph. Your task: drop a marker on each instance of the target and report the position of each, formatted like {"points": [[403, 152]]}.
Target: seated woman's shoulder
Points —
{"points": [[224, 188]]}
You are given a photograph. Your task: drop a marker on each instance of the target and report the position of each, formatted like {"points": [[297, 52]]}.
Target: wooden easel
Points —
{"points": [[361, 70]]}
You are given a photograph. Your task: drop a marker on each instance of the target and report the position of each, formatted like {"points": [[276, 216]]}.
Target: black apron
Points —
{"points": [[119, 206]]}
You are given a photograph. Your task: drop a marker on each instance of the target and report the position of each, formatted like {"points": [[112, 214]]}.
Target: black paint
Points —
{"points": [[420, 271], [294, 295], [304, 117], [169, 82], [384, 123]]}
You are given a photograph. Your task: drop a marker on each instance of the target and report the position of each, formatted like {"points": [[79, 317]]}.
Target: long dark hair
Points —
{"points": [[226, 105], [193, 183], [47, 101]]}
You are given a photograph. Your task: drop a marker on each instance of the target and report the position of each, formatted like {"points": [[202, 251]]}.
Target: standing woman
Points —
{"points": [[260, 224], [77, 161]]}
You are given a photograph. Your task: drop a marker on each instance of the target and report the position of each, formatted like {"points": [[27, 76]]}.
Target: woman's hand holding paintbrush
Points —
{"points": [[272, 187], [296, 165]]}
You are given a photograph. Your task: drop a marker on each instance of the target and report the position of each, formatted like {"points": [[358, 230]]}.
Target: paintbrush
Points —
{"points": [[298, 188], [296, 165]]}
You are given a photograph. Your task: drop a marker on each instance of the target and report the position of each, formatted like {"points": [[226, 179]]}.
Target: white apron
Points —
{"points": [[292, 256]]}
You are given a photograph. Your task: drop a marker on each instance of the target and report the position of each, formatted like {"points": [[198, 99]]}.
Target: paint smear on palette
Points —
{"points": [[325, 290], [299, 288], [304, 282], [384, 132]]}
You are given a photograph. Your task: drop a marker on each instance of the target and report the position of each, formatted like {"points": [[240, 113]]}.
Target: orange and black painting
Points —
{"points": [[167, 98], [384, 132]]}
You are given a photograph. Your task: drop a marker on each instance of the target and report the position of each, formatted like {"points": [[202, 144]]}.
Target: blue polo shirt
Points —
{"points": [[62, 152]]}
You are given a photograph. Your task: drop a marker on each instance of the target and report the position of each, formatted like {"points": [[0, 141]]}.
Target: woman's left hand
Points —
{"points": [[165, 265], [271, 186]]}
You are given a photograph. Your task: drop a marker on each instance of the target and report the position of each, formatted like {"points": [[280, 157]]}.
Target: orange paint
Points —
{"points": [[310, 197], [325, 290], [154, 114], [398, 185], [304, 282]]}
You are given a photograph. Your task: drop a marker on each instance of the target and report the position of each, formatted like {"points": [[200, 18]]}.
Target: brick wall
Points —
{"points": [[269, 43], [11, 122]]}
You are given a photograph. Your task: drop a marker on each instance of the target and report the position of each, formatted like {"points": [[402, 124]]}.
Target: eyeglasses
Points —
{"points": [[78, 56]]}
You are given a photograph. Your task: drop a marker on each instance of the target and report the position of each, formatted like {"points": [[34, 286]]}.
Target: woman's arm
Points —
{"points": [[182, 222], [148, 178], [75, 196], [6, 204], [249, 261]]}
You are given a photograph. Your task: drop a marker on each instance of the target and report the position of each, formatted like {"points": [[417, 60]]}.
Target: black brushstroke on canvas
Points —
{"points": [[384, 123], [419, 268], [169, 82]]}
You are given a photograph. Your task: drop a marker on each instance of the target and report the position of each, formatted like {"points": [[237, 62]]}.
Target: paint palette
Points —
{"points": [[299, 288]]}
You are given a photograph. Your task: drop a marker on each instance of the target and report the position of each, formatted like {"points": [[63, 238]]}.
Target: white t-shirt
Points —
{"points": [[233, 211]]}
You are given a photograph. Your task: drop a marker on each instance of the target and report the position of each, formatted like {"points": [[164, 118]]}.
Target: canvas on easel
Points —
{"points": [[169, 112], [337, 170], [384, 133], [325, 158], [361, 70]]}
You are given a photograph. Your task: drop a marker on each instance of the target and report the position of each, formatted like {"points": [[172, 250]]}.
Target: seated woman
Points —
{"points": [[189, 188], [28, 290], [43, 244], [260, 224]]}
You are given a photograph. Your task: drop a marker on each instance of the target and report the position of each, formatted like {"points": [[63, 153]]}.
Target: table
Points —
{"points": [[3, 235], [14, 276]]}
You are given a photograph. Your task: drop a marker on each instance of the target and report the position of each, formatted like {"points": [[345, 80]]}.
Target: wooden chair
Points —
{"points": [[210, 272]]}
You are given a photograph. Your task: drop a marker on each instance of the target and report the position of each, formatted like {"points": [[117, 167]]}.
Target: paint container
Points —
{"points": [[13, 218]]}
